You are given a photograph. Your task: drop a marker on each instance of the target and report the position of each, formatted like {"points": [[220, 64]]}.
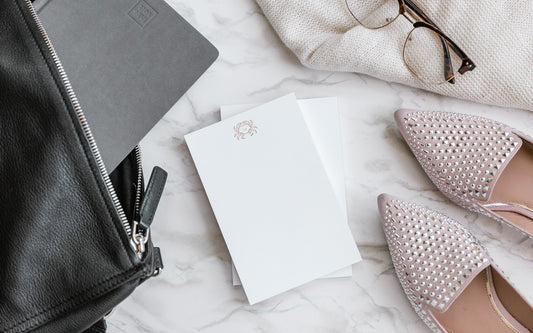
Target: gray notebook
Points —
{"points": [[129, 62]]}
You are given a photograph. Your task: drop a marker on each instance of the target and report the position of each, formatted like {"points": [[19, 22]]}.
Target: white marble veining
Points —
{"points": [[195, 294]]}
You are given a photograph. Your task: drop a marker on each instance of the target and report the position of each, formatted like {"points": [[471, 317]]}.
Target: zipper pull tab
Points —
{"points": [[152, 196], [158, 262], [139, 239]]}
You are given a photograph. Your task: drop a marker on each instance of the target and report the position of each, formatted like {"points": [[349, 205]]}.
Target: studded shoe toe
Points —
{"points": [[448, 277], [480, 164]]}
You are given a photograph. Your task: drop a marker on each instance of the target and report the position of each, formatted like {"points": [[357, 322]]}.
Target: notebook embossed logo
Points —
{"points": [[142, 13], [244, 129]]}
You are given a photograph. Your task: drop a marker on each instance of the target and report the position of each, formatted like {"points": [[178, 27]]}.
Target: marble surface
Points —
{"points": [[195, 294]]}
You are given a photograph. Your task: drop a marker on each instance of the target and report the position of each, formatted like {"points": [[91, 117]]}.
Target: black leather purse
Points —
{"points": [[74, 241]]}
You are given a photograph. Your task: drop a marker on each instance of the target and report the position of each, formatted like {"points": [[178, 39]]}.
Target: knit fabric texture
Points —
{"points": [[497, 35]]}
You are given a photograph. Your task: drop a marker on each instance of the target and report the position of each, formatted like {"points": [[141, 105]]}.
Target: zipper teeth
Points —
{"points": [[83, 121], [138, 156]]}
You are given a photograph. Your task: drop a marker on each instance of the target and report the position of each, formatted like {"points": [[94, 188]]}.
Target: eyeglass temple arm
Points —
{"points": [[448, 67], [467, 64]]}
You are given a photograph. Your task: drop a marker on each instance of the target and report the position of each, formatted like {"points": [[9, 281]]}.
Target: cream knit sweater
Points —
{"points": [[496, 34]]}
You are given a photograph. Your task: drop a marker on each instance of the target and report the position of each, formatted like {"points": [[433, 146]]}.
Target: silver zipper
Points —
{"points": [[138, 158], [88, 134], [139, 238]]}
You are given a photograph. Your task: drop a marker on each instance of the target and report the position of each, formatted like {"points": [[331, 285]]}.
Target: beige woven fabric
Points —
{"points": [[497, 35]]}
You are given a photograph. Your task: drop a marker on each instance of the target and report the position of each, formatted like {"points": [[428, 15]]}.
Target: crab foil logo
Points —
{"points": [[244, 129]]}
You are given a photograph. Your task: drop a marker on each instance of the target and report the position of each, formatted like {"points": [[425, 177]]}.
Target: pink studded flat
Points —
{"points": [[448, 277], [480, 164]]}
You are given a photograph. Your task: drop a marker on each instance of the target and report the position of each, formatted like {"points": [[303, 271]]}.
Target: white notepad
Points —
{"points": [[272, 198], [322, 119]]}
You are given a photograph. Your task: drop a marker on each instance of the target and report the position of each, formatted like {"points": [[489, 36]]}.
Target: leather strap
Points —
{"points": [[155, 187]]}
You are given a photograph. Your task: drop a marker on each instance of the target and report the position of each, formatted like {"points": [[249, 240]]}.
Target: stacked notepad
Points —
{"points": [[274, 177]]}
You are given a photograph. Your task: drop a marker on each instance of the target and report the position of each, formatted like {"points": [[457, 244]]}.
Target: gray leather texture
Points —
{"points": [[129, 62]]}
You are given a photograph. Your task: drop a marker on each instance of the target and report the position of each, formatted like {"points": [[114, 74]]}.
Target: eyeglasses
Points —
{"points": [[426, 51]]}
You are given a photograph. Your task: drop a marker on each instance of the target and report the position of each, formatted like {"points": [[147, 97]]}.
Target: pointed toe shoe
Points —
{"points": [[478, 163], [448, 277]]}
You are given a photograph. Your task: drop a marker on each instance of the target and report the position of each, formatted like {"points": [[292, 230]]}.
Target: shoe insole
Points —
{"points": [[515, 187], [479, 310]]}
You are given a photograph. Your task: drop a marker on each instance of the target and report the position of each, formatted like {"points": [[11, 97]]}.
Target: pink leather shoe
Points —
{"points": [[448, 277], [480, 164]]}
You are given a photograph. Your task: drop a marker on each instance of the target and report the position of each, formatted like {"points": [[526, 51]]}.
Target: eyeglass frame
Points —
{"points": [[424, 22]]}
